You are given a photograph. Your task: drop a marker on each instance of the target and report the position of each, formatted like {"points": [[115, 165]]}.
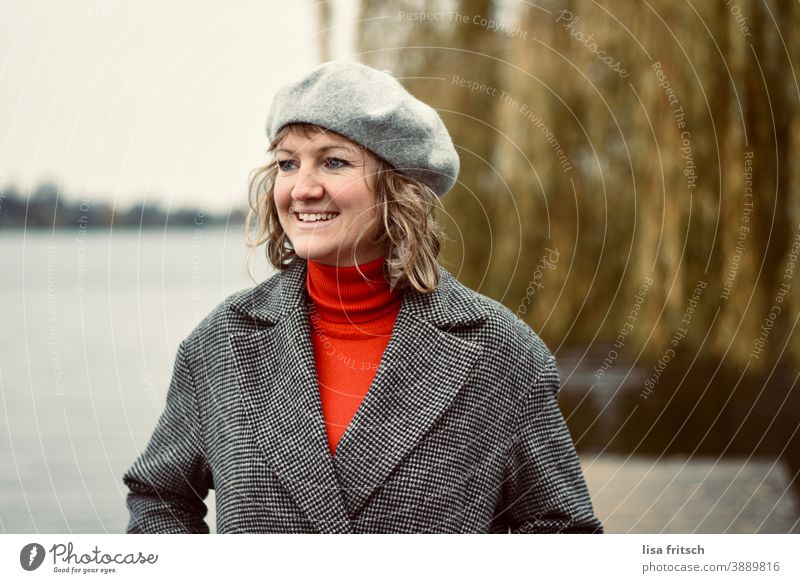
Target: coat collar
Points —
{"points": [[424, 366], [451, 304]]}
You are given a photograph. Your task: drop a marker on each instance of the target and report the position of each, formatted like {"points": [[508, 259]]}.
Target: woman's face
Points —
{"points": [[325, 197]]}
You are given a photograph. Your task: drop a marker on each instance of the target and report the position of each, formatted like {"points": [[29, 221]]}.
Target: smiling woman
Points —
{"points": [[358, 389]]}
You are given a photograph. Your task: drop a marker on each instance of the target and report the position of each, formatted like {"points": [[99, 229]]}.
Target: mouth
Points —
{"points": [[314, 218]]}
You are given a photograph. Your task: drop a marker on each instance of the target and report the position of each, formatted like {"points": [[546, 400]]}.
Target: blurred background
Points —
{"points": [[627, 188]]}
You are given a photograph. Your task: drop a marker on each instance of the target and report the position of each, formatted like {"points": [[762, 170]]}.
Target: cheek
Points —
{"points": [[356, 198], [282, 194]]}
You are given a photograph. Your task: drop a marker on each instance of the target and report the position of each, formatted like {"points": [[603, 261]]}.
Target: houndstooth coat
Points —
{"points": [[460, 430]]}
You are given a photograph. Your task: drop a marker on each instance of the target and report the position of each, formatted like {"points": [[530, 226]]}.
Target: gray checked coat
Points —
{"points": [[460, 430]]}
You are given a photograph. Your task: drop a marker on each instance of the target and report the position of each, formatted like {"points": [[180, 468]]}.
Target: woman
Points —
{"points": [[362, 388]]}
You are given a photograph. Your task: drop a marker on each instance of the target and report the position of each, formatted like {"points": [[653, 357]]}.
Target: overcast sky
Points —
{"points": [[120, 100]]}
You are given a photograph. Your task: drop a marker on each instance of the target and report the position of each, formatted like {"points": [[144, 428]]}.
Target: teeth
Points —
{"points": [[310, 218]]}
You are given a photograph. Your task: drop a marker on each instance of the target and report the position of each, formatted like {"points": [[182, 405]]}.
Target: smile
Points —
{"points": [[315, 218]]}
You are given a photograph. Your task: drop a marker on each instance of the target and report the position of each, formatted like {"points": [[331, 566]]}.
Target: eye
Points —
{"points": [[337, 163], [285, 165]]}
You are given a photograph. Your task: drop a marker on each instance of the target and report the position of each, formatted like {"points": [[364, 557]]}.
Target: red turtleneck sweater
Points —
{"points": [[351, 323]]}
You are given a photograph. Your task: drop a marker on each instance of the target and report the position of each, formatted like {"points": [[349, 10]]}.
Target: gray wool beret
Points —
{"points": [[371, 108]]}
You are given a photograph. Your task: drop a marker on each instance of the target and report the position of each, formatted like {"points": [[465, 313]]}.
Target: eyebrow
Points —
{"points": [[321, 149]]}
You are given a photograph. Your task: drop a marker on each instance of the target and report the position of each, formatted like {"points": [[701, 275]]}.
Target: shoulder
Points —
{"points": [[239, 312], [511, 337], [515, 359]]}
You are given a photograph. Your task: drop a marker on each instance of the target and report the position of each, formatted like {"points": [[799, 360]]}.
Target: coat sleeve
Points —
{"points": [[544, 490], [170, 480]]}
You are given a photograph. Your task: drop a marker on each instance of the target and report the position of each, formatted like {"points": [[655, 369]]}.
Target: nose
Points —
{"points": [[306, 186]]}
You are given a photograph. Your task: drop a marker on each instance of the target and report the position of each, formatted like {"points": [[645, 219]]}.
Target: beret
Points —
{"points": [[373, 109]]}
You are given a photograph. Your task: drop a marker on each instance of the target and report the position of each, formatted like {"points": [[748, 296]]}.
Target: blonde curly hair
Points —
{"points": [[410, 229]]}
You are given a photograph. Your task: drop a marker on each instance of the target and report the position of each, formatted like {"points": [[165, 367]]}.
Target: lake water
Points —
{"points": [[89, 327]]}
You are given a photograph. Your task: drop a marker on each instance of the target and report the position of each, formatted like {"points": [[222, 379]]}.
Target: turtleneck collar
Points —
{"points": [[341, 295]]}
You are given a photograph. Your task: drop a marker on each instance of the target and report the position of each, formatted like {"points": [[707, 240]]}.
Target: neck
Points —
{"points": [[342, 295]]}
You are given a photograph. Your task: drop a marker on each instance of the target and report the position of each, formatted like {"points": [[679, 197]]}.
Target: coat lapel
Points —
{"points": [[277, 377], [422, 369], [420, 374]]}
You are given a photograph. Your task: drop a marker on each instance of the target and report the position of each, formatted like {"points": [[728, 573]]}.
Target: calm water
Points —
{"points": [[88, 332]]}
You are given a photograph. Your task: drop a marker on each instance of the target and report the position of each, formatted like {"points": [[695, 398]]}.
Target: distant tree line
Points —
{"points": [[47, 208]]}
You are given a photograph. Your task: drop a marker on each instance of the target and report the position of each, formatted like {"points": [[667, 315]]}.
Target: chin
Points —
{"points": [[311, 255]]}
